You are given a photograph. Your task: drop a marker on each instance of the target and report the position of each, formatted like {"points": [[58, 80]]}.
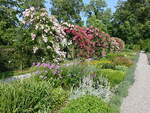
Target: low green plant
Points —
{"points": [[108, 66], [113, 76], [30, 95], [121, 68], [87, 104], [99, 89], [148, 56], [122, 89], [121, 60]]}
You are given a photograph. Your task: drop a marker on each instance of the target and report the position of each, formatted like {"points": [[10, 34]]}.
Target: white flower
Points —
{"points": [[36, 26], [45, 39], [32, 8], [64, 42], [46, 30], [23, 22], [48, 47], [42, 27], [35, 49]]}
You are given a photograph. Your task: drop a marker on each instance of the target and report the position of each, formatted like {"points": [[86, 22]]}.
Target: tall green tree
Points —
{"points": [[8, 21], [67, 10], [132, 20], [24, 4], [98, 15]]}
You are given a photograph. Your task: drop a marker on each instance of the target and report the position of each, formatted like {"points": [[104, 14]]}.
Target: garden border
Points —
{"points": [[122, 90]]}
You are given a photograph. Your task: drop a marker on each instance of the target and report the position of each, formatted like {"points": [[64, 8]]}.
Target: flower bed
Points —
{"points": [[61, 87]]}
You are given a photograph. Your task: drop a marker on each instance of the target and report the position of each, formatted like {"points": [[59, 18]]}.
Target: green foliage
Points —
{"points": [[148, 55], [113, 76], [87, 104], [121, 60], [108, 66], [30, 96], [98, 16], [122, 90], [121, 68], [93, 21], [131, 20], [67, 10], [25, 4], [67, 76], [6, 74], [8, 21], [145, 45]]}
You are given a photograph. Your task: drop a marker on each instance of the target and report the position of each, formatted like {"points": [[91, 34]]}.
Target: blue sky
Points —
{"points": [[110, 4]]}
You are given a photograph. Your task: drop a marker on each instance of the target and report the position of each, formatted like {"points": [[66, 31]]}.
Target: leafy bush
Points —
{"points": [[145, 45], [122, 89], [96, 62], [30, 96], [121, 60], [121, 68], [99, 89], [87, 104], [108, 66], [113, 76], [67, 76]]}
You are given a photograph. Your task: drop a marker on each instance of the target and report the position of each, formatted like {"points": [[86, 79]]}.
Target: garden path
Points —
{"points": [[19, 77], [138, 99]]}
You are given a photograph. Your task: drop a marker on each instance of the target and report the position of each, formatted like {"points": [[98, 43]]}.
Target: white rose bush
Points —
{"points": [[46, 33]]}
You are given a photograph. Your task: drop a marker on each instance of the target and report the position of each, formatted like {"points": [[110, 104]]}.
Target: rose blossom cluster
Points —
{"points": [[117, 44], [90, 41], [47, 30]]}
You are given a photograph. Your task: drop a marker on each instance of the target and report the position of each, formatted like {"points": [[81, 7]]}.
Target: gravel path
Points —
{"points": [[138, 99], [20, 77]]}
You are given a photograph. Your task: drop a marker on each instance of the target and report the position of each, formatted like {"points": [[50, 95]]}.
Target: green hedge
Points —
{"points": [[87, 104], [114, 76]]}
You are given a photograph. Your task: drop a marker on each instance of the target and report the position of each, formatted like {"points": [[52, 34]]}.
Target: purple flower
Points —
{"points": [[38, 64]]}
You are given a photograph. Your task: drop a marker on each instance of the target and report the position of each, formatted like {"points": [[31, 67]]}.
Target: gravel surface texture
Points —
{"points": [[20, 77], [138, 99]]}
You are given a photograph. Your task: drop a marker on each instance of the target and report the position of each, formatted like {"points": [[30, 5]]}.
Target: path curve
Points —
{"points": [[138, 99]]}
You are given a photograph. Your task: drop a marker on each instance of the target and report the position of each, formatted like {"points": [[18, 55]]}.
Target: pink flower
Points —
{"points": [[46, 30], [33, 36]]}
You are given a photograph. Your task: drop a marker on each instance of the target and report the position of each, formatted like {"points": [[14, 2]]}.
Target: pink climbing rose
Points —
{"points": [[33, 36]]}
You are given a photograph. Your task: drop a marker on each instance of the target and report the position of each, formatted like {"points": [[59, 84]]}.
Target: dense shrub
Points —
{"points": [[113, 76], [87, 104], [15, 59], [121, 68], [108, 66], [101, 88], [121, 60], [30, 96], [145, 45], [67, 76]]}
